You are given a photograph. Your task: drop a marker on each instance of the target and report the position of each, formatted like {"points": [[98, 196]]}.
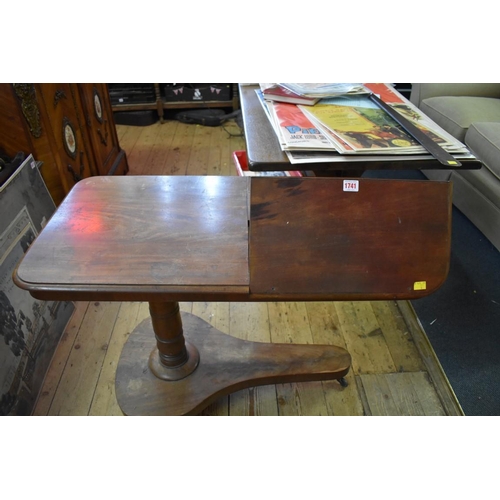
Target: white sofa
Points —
{"points": [[471, 113]]}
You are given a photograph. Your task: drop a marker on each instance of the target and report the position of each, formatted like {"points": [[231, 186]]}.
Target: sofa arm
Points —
{"points": [[421, 91]]}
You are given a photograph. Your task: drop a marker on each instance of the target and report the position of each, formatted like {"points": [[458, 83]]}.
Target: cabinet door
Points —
{"points": [[65, 119], [101, 126]]}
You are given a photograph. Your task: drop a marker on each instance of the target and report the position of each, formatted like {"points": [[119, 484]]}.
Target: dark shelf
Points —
{"points": [[137, 97]]}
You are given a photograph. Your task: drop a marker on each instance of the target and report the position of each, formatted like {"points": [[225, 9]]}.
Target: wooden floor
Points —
{"points": [[394, 369]]}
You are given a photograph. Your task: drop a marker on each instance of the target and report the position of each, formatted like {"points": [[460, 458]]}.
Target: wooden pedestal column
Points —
{"points": [[173, 358]]}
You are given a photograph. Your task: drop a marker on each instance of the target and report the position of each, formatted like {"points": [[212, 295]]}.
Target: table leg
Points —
{"points": [[160, 372], [173, 358]]}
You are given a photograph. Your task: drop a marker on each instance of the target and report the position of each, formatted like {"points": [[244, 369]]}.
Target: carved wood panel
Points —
{"points": [[68, 127], [65, 122], [100, 125]]}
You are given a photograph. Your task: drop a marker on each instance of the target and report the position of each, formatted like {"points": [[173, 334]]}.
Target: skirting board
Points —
{"points": [[434, 368]]}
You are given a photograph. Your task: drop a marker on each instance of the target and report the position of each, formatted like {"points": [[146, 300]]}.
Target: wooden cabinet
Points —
{"points": [[61, 105], [108, 156], [69, 127]]}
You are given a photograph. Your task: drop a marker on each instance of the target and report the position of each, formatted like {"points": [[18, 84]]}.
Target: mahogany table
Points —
{"points": [[264, 152], [167, 239]]}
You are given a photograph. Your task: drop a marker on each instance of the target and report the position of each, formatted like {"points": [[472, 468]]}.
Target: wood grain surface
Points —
{"points": [[311, 238], [147, 231]]}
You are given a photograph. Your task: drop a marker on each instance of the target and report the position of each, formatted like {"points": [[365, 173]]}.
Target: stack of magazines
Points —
{"points": [[341, 122]]}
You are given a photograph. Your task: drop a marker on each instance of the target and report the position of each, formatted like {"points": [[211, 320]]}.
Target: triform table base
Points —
{"points": [[222, 365]]}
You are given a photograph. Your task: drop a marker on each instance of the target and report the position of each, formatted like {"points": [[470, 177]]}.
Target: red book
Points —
{"points": [[241, 164], [281, 94]]}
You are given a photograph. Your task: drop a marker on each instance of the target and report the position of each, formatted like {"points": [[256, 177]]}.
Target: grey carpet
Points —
{"points": [[462, 318]]}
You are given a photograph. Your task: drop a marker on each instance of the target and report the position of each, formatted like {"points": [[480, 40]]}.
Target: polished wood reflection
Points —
{"points": [[135, 237]]}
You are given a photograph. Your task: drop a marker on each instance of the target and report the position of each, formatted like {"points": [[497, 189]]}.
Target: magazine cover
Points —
{"points": [[362, 124], [387, 94], [29, 328], [296, 129]]}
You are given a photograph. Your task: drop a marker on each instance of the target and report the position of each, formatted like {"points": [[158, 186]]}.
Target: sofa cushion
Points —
{"points": [[483, 181], [483, 139], [456, 113]]}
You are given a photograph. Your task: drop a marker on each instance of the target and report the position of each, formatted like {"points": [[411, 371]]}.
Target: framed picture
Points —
{"points": [[30, 329], [97, 105], [69, 138]]}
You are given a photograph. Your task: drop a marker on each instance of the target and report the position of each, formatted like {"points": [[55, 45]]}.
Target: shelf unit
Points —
{"points": [[161, 104]]}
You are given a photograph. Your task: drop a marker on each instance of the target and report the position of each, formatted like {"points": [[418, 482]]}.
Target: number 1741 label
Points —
{"points": [[351, 185]]}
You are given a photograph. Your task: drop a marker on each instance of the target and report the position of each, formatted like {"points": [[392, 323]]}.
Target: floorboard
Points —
{"points": [[394, 370]]}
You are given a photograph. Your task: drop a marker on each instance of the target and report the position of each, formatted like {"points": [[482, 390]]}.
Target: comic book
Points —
{"points": [[387, 94], [293, 129], [354, 124], [362, 125]]}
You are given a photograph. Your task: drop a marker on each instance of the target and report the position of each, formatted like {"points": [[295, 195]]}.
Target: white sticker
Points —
{"points": [[351, 185]]}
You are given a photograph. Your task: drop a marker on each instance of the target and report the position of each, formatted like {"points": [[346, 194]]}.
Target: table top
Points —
{"points": [[144, 234], [264, 152], [351, 240], [193, 238]]}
